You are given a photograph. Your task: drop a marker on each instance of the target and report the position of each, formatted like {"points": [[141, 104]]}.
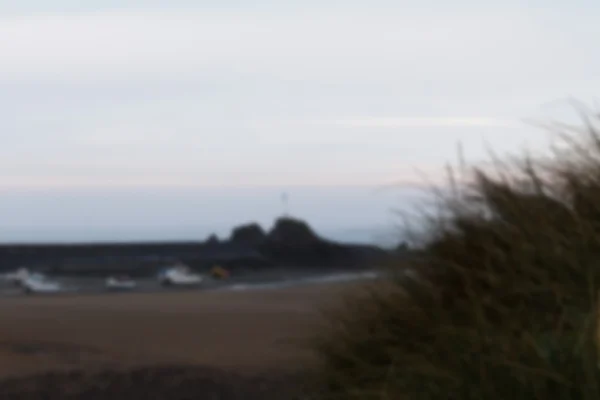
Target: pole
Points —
{"points": [[285, 202]]}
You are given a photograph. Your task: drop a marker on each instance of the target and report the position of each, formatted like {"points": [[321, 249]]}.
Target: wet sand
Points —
{"points": [[253, 331]]}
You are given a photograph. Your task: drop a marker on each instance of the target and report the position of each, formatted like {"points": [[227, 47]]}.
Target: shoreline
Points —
{"points": [[84, 286]]}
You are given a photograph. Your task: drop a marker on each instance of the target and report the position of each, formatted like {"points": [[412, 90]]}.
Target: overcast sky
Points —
{"points": [[105, 93]]}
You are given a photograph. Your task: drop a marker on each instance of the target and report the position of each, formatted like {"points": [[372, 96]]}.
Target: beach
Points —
{"points": [[248, 332]]}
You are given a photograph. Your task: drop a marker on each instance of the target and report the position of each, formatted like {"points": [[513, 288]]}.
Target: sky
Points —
{"points": [[114, 113]]}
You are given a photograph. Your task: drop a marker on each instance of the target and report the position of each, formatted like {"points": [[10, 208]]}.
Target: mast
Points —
{"points": [[285, 204]]}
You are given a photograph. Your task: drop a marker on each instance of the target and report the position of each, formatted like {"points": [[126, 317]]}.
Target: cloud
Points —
{"points": [[374, 175], [315, 95], [396, 48], [427, 122]]}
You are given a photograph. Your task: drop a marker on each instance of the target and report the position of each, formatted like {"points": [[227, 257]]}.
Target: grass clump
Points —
{"points": [[502, 302]]}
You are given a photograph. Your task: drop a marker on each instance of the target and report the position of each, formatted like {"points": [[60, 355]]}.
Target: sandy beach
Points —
{"points": [[244, 331]]}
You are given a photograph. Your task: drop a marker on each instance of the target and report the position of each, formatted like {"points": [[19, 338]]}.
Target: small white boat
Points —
{"points": [[39, 283], [17, 277], [120, 283], [179, 275]]}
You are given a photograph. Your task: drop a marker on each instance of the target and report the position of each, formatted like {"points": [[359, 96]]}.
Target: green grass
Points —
{"points": [[505, 303]]}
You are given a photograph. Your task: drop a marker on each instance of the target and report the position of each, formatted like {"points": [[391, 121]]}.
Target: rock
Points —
{"points": [[293, 232], [212, 240], [249, 234]]}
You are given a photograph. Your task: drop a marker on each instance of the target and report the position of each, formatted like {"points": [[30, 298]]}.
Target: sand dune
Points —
{"points": [[240, 330]]}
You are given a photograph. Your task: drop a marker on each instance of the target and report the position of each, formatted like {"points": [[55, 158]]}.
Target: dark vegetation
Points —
{"points": [[503, 301], [290, 242]]}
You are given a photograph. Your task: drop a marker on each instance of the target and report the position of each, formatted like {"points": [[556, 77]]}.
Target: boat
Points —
{"points": [[179, 275], [39, 283], [17, 277], [120, 283], [219, 272]]}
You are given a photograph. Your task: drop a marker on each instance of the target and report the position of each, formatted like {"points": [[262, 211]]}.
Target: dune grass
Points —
{"points": [[502, 303]]}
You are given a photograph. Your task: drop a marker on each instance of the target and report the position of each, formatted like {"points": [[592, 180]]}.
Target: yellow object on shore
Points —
{"points": [[219, 272]]}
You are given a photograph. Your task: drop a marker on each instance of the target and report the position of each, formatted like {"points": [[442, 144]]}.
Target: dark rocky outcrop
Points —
{"points": [[290, 231], [249, 234], [212, 240], [290, 242], [293, 242]]}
